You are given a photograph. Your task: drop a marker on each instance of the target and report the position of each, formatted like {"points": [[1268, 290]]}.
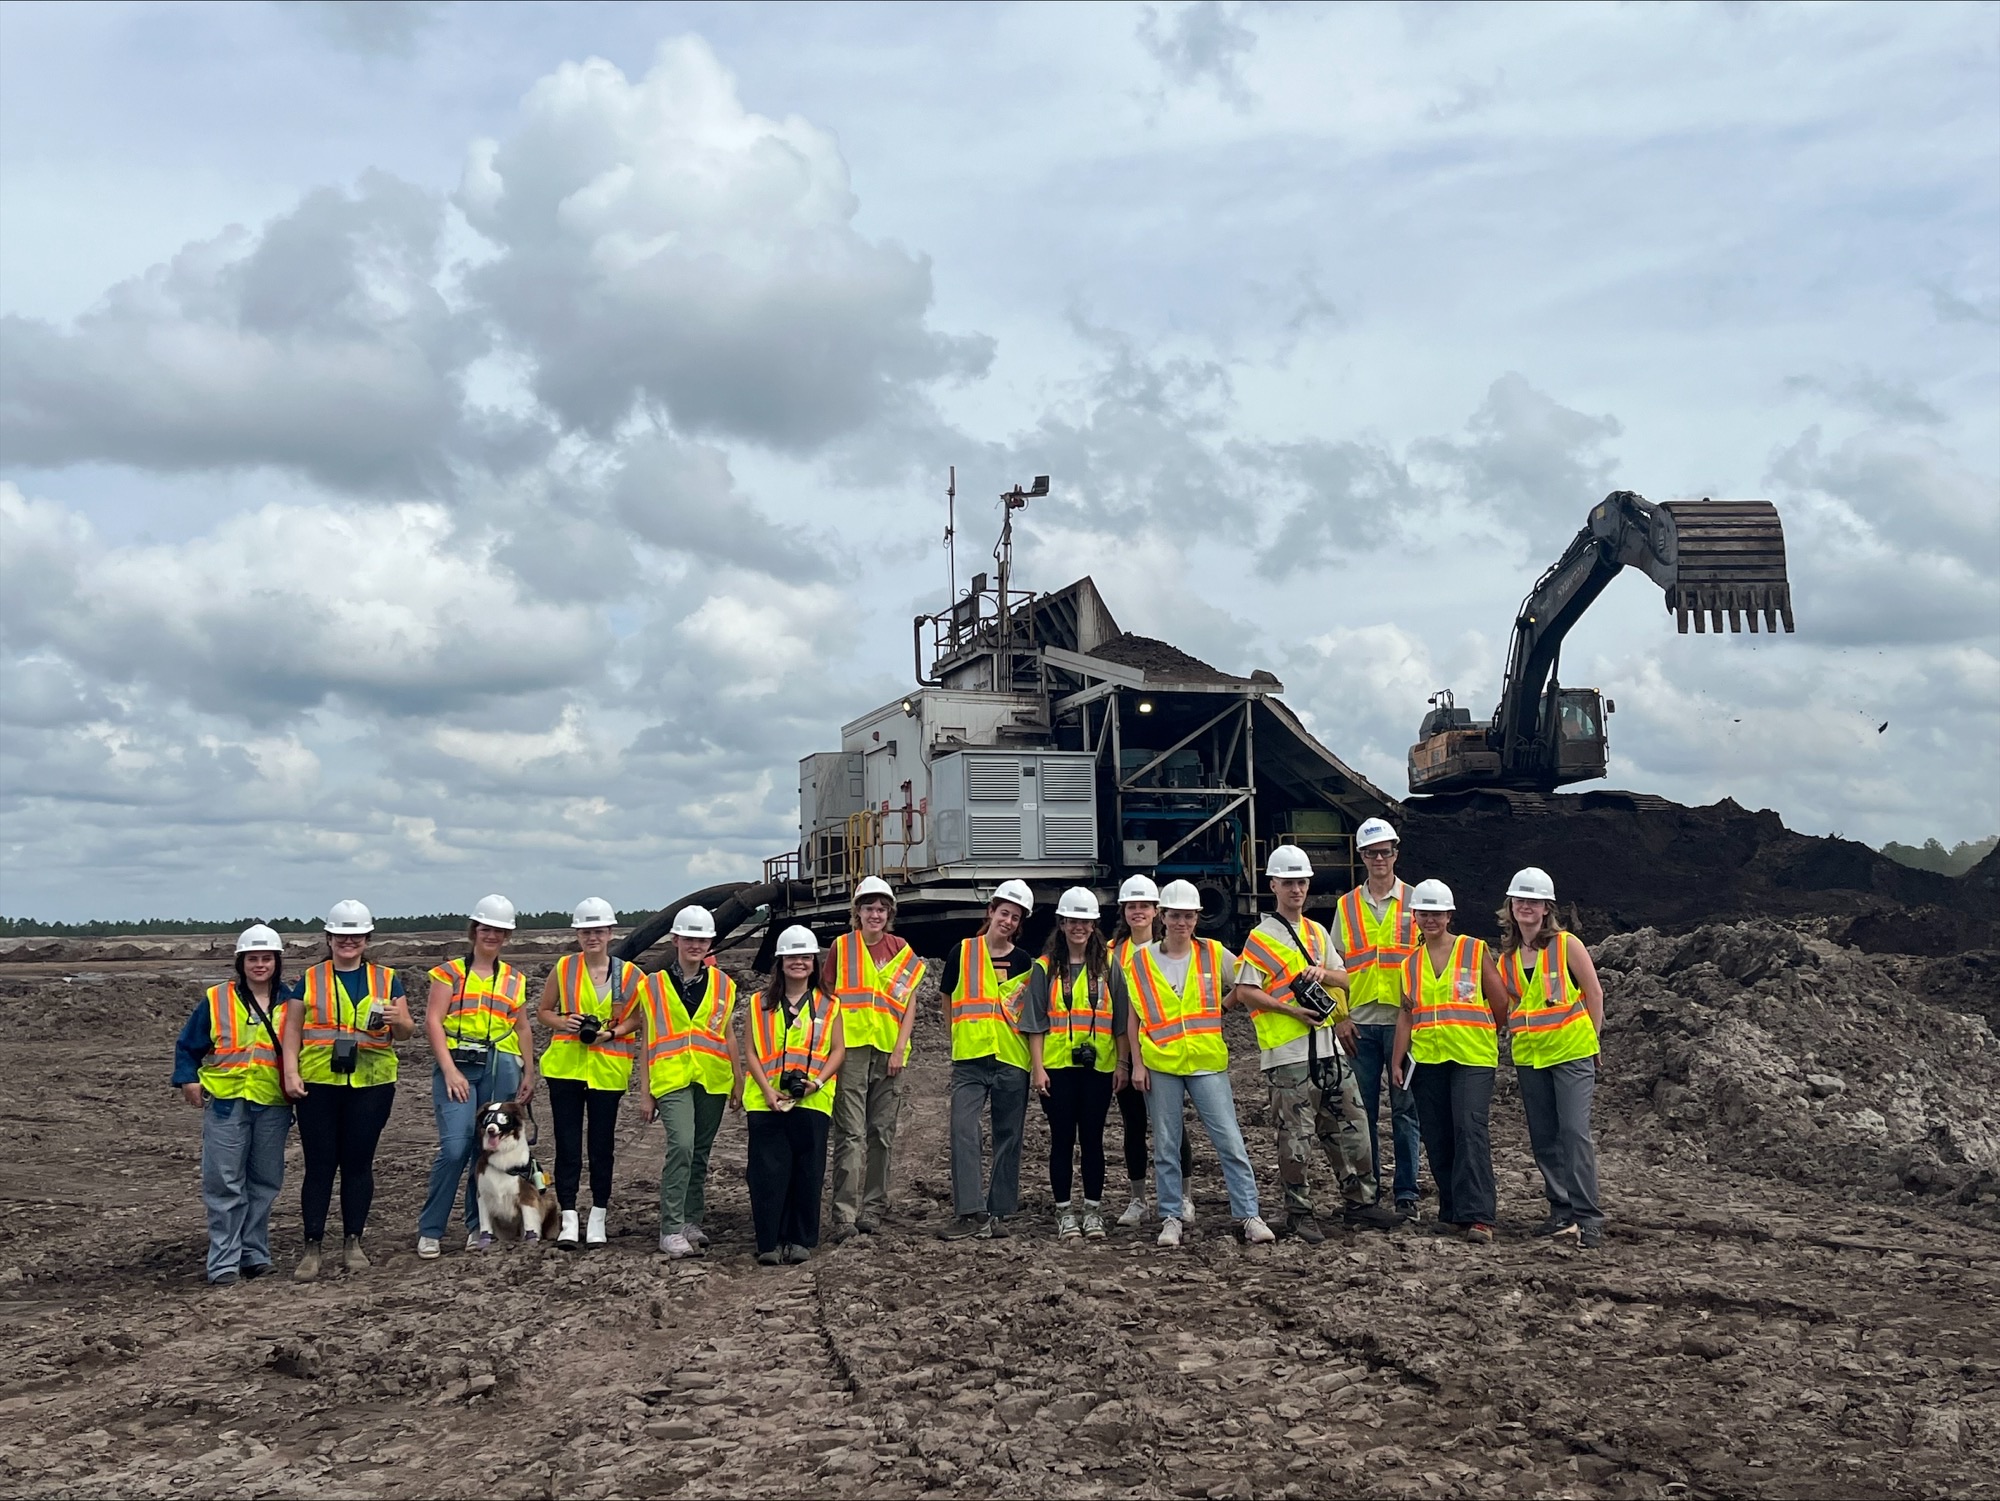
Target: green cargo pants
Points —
{"points": [[692, 1116]]}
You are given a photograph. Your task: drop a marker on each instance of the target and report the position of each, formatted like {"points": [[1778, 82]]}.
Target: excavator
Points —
{"points": [[1718, 561]]}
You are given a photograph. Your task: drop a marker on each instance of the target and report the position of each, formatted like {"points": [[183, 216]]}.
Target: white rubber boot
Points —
{"points": [[566, 1236], [595, 1234]]}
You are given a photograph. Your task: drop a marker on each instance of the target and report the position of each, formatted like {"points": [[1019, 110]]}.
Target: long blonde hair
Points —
{"points": [[1510, 931]]}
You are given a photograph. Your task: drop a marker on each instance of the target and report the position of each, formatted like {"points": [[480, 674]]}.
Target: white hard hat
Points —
{"points": [[1180, 896], [1532, 882], [874, 886], [493, 912], [1017, 892], [349, 917], [1374, 831], [258, 939], [1078, 902], [796, 940], [1138, 889], [1289, 863], [694, 922], [1432, 896], [594, 912]]}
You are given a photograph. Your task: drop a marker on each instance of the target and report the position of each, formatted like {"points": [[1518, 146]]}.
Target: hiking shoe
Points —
{"points": [[1304, 1227], [1370, 1217], [1093, 1220], [1558, 1223], [963, 1228], [352, 1256], [308, 1267], [769, 1258], [1170, 1233], [472, 1240], [1256, 1232], [696, 1236], [676, 1246], [566, 1232], [223, 1279], [1136, 1213], [1068, 1226], [843, 1231], [867, 1225], [1480, 1234], [252, 1270], [1446, 1227], [1590, 1237], [428, 1248], [796, 1255], [479, 1240], [1406, 1211], [996, 1228]]}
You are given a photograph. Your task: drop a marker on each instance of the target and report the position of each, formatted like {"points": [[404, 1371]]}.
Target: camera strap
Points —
{"points": [[263, 1016], [1322, 1071]]}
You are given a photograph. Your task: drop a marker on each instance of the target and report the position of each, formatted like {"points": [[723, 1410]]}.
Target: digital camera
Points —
{"points": [[587, 1029], [1083, 1054], [795, 1082]]}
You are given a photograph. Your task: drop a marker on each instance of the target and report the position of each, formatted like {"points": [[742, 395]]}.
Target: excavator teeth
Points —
{"points": [[1730, 563]]}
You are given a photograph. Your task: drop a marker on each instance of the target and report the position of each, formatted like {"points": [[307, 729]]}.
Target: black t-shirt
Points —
{"points": [[1016, 961]]}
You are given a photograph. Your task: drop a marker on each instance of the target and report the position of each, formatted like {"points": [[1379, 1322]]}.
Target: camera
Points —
{"points": [[1311, 996], [471, 1054], [1083, 1054], [587, 1029], [795, 1082], [346, 1053]]}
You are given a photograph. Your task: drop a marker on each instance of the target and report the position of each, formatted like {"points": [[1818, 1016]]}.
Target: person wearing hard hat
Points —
{"points": [[982, 985], [873, 974], [340, 1047], [1449, 1035], [1377, 933], [792, 1059], [1138, 923], [1553, 1033], [691, 1073], [1288, 963], [228, 1064], [590, 1003], [1178, 986], [477, 1025], [1073, 1020]]}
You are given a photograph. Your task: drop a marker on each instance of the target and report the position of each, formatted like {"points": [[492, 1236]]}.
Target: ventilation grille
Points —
{"points": [[996, 836], [992, 779], [1066, 781], [1069, 837]]}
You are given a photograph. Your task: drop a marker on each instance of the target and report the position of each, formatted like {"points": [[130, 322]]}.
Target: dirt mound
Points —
{"points": [[1772, 1051]]}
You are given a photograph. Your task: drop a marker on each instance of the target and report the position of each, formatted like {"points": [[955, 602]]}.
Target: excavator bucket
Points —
{"points": [[1730, 564]]}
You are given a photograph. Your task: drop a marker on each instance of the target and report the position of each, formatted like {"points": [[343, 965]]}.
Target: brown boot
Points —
{"points": [[308, 1267], [352, 1256]]}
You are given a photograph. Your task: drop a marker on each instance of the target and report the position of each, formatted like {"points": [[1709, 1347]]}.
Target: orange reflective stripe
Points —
{"points": [[1464, 970], [322, 997], [1365, 954]]}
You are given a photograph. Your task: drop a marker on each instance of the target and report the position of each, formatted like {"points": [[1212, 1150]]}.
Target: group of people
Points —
{"points": [[1386, 996]]}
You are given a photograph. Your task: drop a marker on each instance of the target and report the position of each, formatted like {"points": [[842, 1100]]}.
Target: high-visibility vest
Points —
{"points": [[985, 1009], [244, 1063], [1278, 965], [482, 1010], [873, 998], [330, 1015], [1549, 1023], [602, 1064], [1450, 1021], [807, 1043], [1375, 949], [1180, 1031], [1077, 1013], [684, 1048]]}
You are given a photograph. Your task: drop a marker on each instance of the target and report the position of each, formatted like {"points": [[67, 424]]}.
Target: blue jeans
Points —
{"points": [[458, 1138], [242, 1168], [1216, 1105], [1371, 1062]]}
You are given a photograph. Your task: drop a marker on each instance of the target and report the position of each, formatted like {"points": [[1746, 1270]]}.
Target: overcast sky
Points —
{"points": [[448, 448]]}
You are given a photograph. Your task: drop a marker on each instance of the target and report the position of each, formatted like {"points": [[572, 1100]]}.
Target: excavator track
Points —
{"points": [[1730, 565]]}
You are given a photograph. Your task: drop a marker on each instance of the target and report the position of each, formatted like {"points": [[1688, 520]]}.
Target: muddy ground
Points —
{"points": [[1798, 1295]]}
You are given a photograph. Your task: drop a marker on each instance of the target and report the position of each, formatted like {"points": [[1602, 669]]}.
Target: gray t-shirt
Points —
{"points": [[1035, 1000], [1175, 972], [1300, 1048]]}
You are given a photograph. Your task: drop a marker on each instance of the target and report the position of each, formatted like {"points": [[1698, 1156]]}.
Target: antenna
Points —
{"points": [[951, 531]]}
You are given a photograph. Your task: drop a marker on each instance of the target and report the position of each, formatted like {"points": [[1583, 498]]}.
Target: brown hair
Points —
{"points": [[1510, 931], [1096, 955], [854, 911]]}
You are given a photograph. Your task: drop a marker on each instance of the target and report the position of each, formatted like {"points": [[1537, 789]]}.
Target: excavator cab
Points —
{"points": [[1580, 746]]}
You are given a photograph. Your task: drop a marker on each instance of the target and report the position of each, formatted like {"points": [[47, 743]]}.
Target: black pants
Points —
{"points": [[338, 1129], [787, 1169], [1132, 1110], [569, 1101], [1077, 1103], [1453, 1100]]}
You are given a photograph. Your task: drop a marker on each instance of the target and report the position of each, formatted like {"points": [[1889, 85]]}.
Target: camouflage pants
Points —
{"points": [[1302, 1113]]}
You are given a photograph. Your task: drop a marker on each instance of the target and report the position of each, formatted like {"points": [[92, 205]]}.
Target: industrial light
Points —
{"points": [[909, 706], [1145, 706]]}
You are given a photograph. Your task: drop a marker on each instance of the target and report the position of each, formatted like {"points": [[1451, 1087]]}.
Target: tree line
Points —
{"points": [[429, 922], [1955, 861]]}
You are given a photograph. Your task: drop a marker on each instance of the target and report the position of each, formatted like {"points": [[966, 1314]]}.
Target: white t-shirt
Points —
{"points": [[1175, 972], [1300, 1048]]}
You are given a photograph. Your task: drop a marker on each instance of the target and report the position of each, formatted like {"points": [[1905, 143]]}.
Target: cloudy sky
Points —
{"points": [[447, 448]]}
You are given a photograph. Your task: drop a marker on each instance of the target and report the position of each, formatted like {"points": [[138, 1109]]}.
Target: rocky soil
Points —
{"points": [[1797, 1298]]}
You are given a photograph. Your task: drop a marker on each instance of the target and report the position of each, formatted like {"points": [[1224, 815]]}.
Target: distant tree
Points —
{"points": [[1955, 861]]}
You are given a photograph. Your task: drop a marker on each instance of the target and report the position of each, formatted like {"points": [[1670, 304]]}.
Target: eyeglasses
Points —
{"points": [[1379, 853]]}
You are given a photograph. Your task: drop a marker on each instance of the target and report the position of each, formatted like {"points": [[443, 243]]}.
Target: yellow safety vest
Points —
{"points": [[244, 1062], [483, 1010], [873, 998], [1078, 1014], [807, 1043], [1450, 1021], [1376, 949], [684, 1049], [1278, 965], [602, 1064], [1549, 1023], [985, 1009], [1180, 1031], [330, 1015]]}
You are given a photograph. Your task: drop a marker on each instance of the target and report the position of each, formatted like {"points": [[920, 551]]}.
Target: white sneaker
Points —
{"points": [[1136, 1212], [566, 1236], [1068, 1226], [595, 1235], [1256, 1232], [1170, 1234], [428, 1248], [696, 1236], [1093, 1220], [472, 1240], [675, 1246], [1187, 1206]]}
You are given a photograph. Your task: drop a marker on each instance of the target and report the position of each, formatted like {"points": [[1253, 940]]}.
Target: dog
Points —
{"points": [[513, 1195]]}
